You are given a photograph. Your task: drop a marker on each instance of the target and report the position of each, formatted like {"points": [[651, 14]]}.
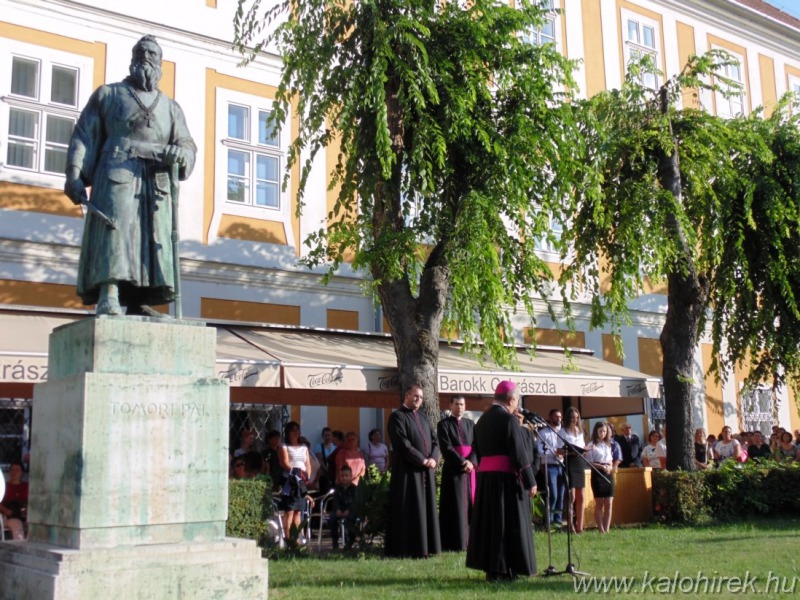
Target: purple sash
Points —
{"points": [[497, 463]]}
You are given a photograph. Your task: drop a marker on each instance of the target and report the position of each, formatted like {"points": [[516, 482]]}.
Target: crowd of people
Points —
{"points": [[712, 450], [298, 471], [489, 471]]}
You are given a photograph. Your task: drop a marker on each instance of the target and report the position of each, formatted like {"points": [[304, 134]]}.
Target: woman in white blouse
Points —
{"points": [[727, 447], [649, 458], [598, 454], [572, 433], [294, 458]]}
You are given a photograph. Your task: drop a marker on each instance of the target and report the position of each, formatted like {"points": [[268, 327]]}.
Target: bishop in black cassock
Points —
{"points": [[413, 525], [500, 534], [457, 491]]}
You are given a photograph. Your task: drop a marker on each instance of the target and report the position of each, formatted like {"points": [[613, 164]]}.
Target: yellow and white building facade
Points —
{"points": [[240, 235]]}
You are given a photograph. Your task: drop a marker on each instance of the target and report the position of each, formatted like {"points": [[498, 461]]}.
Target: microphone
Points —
{"points": [[532, 417]]}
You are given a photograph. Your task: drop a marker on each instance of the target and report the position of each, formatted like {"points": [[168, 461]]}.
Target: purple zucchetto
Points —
{"points": [[504, 387]]}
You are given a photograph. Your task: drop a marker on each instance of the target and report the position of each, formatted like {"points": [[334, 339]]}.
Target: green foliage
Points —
{"points": [[753, 488], [757, 283], [454, 135], [679, 497], [732, 492], [249, 507], [372, 503], [624, 210], [734, 216]]}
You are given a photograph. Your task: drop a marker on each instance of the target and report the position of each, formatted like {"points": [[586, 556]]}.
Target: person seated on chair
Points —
{"points": [[343, 505], [15, 502], [253, 464], [238, 468], [247, 443]]}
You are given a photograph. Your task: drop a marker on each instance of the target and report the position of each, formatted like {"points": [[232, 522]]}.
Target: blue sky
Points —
{"points": [[789, 6]]}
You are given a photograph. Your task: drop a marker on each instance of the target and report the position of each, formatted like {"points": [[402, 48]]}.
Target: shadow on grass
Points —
{"points": [[473, 583]]}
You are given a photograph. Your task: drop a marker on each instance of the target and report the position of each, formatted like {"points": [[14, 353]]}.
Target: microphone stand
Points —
{"points": [[575, 451], [550, 570]]}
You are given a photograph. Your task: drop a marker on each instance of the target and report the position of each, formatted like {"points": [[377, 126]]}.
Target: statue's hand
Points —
{"points": [[175, 154], [75, 190]]}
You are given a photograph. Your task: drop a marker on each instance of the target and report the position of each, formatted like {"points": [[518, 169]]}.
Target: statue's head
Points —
{"points": [[145, 69]]}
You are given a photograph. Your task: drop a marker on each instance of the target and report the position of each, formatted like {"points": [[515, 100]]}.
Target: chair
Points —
{"points": [[275, 525], [322, 503], [344, 530]]}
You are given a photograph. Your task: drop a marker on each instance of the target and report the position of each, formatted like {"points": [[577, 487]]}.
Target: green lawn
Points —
{"points": [[749, 551]]}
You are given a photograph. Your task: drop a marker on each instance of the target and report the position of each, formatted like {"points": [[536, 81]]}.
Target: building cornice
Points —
{"points": [[115, 22], [742, 20]]}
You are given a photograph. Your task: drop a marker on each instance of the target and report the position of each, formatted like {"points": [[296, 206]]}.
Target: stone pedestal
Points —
{"points": [[128, 480]]}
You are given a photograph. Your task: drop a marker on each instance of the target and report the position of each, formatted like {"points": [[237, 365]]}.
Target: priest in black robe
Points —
{"points": [[413, 524], [457, 492], [500, 535]]}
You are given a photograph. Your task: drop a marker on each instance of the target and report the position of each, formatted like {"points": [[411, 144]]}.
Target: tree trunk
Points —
{"points": [[416, 327], [687, 298], [416, 322]]}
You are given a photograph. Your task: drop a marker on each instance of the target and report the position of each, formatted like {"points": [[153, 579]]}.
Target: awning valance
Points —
{"points": [[24, 346], [316, 361]]}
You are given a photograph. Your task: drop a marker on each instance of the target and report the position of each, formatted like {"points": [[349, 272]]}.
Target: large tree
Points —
{"points": [[708, 205], [456, 152]]}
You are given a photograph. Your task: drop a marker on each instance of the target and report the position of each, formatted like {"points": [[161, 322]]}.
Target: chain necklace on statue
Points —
{"points": [[148, 111]]}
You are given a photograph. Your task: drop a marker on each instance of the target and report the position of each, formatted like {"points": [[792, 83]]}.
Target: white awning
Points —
{"points": [[317, 359], [24, 346], [314, 362]]}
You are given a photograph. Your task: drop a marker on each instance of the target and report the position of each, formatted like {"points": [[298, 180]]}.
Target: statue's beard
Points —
{"points": [[145, 76]]}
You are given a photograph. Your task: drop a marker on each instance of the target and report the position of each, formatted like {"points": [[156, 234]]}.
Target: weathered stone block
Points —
{"points": [[129, 471]]}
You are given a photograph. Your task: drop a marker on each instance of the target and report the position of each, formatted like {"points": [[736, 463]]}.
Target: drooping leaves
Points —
{"points": [[457, 145]]}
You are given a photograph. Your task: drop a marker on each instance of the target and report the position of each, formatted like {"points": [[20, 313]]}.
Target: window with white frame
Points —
{"points": [[251, 157], [546, 34], [729, 99], [757, 409], [656, 409], [41, 94], [549, 244], [641, 37], [794, 88]]}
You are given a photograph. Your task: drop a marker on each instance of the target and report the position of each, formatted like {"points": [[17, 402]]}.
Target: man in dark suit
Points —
{"points": [[630, 445]]}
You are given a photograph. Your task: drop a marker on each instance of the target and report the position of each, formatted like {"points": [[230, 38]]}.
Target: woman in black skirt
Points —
{"points": [[598, 453], [294, 458], [573, 434]]}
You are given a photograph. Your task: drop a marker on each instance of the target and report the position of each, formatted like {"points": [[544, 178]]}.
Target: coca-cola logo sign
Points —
{"points": [[389, 383], [589, 388], [238, 374], [635, 389], [334, 376]]}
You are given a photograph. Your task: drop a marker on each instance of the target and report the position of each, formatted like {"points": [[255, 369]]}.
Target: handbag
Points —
{"points": [[295, 484], [743, 456]]}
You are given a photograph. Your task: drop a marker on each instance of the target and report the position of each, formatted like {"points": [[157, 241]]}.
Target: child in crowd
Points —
{"points": [[343, 505]]}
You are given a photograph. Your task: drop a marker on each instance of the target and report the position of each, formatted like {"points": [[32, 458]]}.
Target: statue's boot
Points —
{"points": [[108, 306], [145, 311]]}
